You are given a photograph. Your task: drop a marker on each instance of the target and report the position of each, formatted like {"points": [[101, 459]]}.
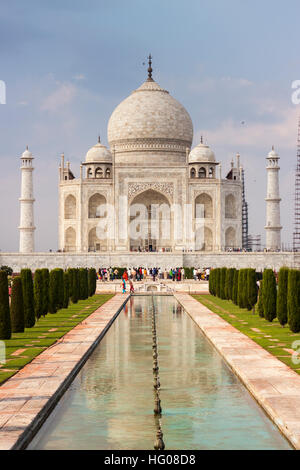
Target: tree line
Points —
{"points": [[272, 299], [35, 296]]}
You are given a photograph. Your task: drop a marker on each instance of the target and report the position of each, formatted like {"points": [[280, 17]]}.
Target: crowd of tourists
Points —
{"points": [[154, 274]]}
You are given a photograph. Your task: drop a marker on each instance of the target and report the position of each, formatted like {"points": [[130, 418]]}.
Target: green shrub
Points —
{"points": [[75, 285], [54, 291], [229, 283], [293, 300], [45, 273], [211, 287], [218, 282], [28, 297], [235, 287], [38, 290], [83, 284], [92, 281], [223, 272], [5, 324], [17, 306], [7, 269], [269, 295], [260, 304], [66, 290], [251, 289], [60, 288], [282, 294], [242, 289]]}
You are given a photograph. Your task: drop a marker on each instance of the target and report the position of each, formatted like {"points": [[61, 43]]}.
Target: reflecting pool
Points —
{"points": [[110, 403]]}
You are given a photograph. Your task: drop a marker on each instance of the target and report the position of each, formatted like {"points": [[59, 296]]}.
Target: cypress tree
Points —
{"points": [[241, 289], [229, 283], [83, 284], [45, 273], [260, 303], [223, 273], [211, 282], [282, 294], [75, 286], [66, 290], [38, 290], [251, 289], [235, 286], [28, 297], [293, 300], [5, 324], [53, 291], [17, 307], [269, 295], [92, 281], [60, 287], [218, 282], [70, 272]]}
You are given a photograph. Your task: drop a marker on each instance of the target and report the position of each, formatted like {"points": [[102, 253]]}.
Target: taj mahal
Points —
{"points": [[150, 163], [151, 193]]}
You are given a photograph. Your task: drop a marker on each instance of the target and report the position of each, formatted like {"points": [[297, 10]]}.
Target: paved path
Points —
{"points": [[31, 394], [275, 386]]}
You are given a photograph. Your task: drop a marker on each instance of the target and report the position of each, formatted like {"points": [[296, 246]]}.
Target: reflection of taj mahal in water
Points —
{"points": [[150, 163]]}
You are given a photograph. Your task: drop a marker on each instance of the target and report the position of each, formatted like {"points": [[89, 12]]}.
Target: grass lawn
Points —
{"points": [[23, 347], [271, 336]]}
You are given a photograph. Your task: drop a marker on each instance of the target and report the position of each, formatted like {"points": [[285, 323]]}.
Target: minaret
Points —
{"points": [[26, 227], [273, 227]]}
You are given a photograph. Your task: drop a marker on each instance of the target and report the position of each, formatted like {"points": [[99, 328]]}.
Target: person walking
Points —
{"points": [[131, 287], [123, 285]]}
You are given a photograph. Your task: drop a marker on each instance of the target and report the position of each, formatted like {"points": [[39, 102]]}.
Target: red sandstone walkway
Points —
{"points": [[274, 385], [32, 392]]}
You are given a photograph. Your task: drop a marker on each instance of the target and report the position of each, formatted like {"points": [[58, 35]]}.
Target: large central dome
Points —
{"points": [[150, 118]]}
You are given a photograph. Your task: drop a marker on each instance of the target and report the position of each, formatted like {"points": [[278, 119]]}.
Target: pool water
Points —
{"points": [[110, 403]]}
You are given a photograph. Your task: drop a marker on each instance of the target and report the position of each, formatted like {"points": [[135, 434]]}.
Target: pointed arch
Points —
{"points": [[96, 206], [230, 207], [70, 239], [70, 207]]}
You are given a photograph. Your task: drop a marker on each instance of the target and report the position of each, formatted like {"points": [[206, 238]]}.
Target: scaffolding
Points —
{"points": [[296, 234], [254, 242], [244, 215]]}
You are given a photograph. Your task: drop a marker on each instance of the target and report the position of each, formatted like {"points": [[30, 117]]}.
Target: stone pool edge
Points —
{"points": [[273, 384], [27, 399]]}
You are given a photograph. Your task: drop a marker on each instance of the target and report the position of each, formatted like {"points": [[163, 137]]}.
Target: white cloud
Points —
{"points": [[281, 133], [62, 96]]}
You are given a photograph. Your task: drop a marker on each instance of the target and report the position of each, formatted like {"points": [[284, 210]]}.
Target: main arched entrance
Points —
{"points": [[150, 222]]}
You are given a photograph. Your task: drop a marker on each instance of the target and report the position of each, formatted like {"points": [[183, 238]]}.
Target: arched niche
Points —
{"points": [[97, 206], [70, 207], [203, 206], [70, 239], [150, 225], [230, 238], [230, 207]]}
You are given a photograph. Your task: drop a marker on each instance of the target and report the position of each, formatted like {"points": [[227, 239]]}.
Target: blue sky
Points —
{"points": [[67, 64]]}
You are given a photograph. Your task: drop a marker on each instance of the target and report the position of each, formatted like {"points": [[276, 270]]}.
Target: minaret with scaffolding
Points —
{"points": [[244, 213], [296, 234]]}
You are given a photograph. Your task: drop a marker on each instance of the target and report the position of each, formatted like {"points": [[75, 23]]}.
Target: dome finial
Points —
{"points": [[26, 147], [150, 68], [99, 140], [201, 139]]}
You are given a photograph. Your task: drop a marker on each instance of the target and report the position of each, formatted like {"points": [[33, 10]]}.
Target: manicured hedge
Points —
{"points": [[66, 290], [5, 323], [45, 273], [293, 300], [269, 295], [251, 289], [17, 307], [92, 281], [28, 297], [282, 295], [38, 289]]}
